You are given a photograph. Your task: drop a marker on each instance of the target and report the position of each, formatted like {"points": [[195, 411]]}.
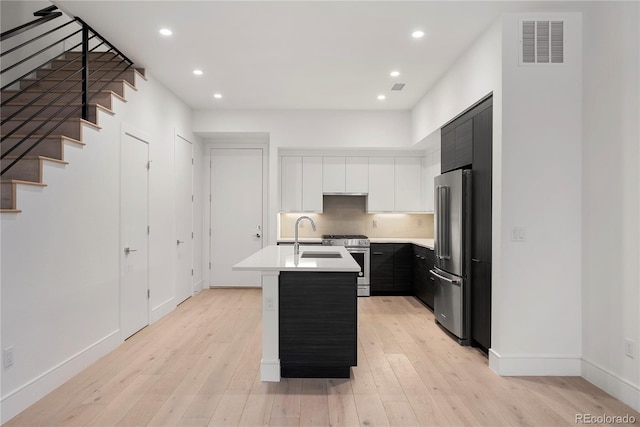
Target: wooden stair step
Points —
{"points": [[28, 168], [44, 85], [118, 89], [69, 127], [49, 110], [93, 56], [51, 146], [8, 189], [99, 97], [62, 65], [104, 74]]}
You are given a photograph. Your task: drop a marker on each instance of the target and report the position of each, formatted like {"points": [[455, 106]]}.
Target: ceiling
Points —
{"points": [[295, 54]]}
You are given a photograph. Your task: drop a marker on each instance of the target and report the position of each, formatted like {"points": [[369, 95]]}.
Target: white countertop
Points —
{"points": [[426, 243], [281, 258]]}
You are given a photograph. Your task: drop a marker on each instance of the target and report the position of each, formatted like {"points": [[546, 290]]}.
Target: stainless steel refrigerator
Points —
{"points": [[452, 223]]}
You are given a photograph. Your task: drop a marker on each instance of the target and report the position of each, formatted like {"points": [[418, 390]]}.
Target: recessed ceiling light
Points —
{"points": [[381, 97], [417, 34], [217, 95], [197, 72], [166, 32], [394, 73]]}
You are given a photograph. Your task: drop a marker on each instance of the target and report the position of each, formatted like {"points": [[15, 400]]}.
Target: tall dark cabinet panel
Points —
{"points": [[481, 226], [457, 144], [381, 270]]}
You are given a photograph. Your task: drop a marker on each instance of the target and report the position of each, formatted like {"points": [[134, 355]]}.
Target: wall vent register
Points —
{"points": [[541, 42]]}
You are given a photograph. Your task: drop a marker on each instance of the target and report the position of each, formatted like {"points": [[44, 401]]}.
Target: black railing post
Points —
{"points": [[85, 71]]}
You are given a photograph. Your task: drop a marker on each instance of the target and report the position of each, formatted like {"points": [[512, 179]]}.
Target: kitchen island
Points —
{"points": [[309, 311]]}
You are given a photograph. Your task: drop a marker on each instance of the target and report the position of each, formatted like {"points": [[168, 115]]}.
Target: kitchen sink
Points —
{"points": [[318, 254]]}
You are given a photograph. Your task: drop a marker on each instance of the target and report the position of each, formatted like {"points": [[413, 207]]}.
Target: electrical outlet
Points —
{"points": [[419, 223], [7, 357], [375, 223], [628, 347], [268, 304]]}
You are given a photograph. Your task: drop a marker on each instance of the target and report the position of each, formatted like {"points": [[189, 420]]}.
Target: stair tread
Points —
{"points": [[22, 182], [41, 158], [57, 119], [56, 136]]}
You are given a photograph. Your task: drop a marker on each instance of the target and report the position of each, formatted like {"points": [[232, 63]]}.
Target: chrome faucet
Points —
{"points": [[296, 245]]}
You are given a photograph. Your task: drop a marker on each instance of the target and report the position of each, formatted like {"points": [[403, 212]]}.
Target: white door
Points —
{"points": [[236, 213], [183, 167], [134, 205]]}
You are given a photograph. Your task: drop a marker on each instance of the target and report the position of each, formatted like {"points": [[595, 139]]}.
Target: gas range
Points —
{"points": [[346, 240]]}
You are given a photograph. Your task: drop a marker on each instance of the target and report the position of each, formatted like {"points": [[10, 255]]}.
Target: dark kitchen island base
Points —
{"points": [[318, 324]]}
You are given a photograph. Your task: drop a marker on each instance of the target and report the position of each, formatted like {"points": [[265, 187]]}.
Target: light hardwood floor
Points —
{"points": [[199, 366]]}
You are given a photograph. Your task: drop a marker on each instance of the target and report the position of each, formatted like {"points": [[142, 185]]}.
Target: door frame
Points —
{"points": [[230, 143], [132, 132]]}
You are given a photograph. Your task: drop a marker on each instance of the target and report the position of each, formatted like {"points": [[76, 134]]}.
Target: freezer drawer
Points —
{"points": [[448, 304]]}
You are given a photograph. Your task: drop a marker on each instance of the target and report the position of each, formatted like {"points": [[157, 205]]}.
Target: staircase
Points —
{"points": [[48, 108]]}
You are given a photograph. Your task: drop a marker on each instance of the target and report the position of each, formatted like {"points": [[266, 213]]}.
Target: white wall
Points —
{"points": [[304, 129], [538, 306], [60, 256], [610, 205]]}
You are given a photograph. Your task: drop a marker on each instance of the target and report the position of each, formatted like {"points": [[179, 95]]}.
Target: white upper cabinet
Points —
{"points": [[381, 184], [357, 175], [333, 174], [430, 170], [408, 184], [312, 184], [291, 183]]}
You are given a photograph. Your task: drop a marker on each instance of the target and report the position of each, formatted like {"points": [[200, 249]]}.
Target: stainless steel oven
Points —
{"points": [[359, 248]]}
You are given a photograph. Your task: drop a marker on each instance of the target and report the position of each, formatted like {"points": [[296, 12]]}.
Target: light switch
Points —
{"points": [[518, 234]]}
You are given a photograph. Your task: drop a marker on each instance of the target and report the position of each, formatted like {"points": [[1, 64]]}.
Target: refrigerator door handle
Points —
{"points": [[446, 279], [443, 232]]}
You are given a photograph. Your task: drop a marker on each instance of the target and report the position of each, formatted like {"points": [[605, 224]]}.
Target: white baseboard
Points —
{"points": [[270, 370], [197, 287], [162, 310], [534, 365], [21, 398], [614, 385]]}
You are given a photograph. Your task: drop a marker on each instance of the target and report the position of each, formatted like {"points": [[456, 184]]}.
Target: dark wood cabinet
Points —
{"points": [[423, 282], [481, 304], [402, 268], [318, 324], [381, 268], [466, 142], [391, 269], [457, 144], [480, 300]]}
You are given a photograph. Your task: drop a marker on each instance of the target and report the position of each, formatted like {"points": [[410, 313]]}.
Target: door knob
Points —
{"points": [[128, 250], [258, 235], [179, 241]]}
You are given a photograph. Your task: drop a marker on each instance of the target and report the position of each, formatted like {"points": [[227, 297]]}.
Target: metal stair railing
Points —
{"points": [[90, 42]]}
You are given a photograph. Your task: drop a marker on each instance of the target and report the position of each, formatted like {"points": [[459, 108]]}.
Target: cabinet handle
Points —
{"points": [[377, 253]]}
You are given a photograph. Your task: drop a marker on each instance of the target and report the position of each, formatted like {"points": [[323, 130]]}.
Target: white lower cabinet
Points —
{"points": [[381, 184], [408, 184]]}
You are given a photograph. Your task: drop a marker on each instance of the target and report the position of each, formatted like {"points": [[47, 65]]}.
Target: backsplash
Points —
{"points": [[347, 215]]}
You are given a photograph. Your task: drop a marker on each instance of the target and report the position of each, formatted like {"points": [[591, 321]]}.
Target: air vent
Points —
{"points": [[542, 42], [398, 86]]}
